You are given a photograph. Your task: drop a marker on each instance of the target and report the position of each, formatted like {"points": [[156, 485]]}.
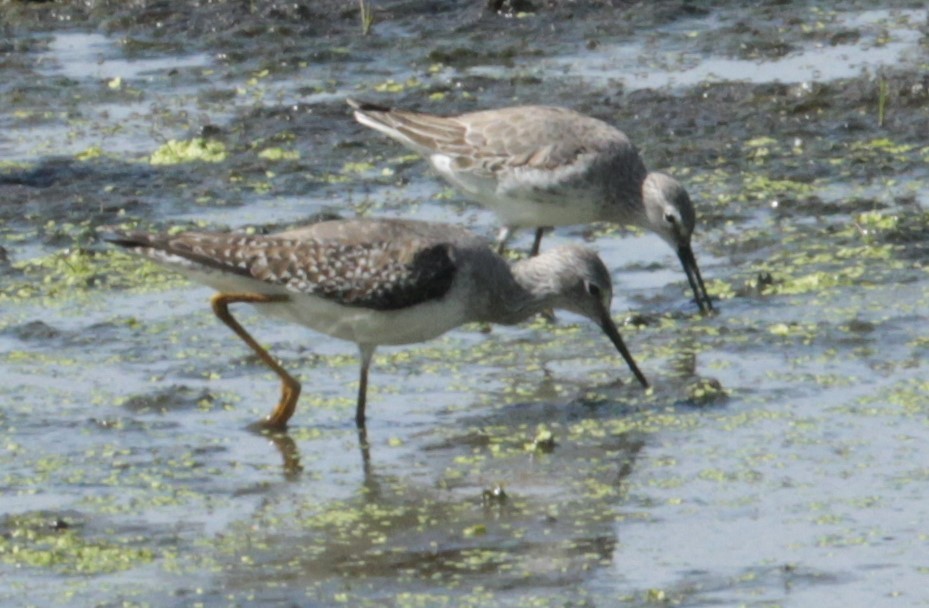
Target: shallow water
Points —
{"points": [[128, 477], [875, 39]]}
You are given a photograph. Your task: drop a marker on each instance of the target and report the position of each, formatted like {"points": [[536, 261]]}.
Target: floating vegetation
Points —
{"points": [[61, 276], [392, 86], [707, 391], [197, 149], [762, 187], [36, 540], [276, 154], [544, 440]]}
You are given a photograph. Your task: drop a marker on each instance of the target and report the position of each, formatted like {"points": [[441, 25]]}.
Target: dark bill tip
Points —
{"points": [[689, 262], [609, 328]]}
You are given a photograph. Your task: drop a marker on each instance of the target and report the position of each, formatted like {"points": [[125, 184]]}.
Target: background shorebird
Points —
{"points": [[540, 166], [379, 281]]}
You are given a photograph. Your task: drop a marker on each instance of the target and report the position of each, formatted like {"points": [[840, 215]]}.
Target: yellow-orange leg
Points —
{"points": [[290, 388]]}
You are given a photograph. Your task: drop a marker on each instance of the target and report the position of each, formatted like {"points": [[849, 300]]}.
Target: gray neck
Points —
{"points": [[624, 177], [521, 291]]}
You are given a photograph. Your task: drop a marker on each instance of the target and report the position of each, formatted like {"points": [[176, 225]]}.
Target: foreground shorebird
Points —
{"points": [[379, 281], [539, 166]]}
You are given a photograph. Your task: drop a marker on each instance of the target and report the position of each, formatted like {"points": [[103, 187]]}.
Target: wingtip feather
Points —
{"points": [[364, 106]]}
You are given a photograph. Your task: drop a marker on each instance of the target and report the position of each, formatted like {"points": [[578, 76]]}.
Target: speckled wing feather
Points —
{"points": [[377, 274]]}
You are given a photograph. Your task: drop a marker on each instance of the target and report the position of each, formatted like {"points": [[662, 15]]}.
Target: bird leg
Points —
{"points": [[367, 352], [365, 453], [290, 388], [502, 237], [549, 313], [537, 243]]}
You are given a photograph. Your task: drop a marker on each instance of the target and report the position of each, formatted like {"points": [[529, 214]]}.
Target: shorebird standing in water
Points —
{"points": [[379, 281], [540, 166]]}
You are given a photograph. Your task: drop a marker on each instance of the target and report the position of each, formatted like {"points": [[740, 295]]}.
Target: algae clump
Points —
{"points": [[195, 150]]}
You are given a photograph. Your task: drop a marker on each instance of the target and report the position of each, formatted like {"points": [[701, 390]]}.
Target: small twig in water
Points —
{"points": [[883, 93], [367, 17]]}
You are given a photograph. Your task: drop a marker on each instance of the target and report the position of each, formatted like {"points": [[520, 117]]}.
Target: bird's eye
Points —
{"points": [[593, 290]]}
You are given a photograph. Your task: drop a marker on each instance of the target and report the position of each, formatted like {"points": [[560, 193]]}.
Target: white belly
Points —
{"points": [[355, 324], [366, 326], [528, 198]]}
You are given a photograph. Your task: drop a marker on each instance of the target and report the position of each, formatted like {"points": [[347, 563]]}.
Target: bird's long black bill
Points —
{"points": [[609, 328], [689, 262]]}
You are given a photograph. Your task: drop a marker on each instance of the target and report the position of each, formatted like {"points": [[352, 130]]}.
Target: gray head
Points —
{"points": [[574, 278], [570, 277], [668, 208], [670, 214]]}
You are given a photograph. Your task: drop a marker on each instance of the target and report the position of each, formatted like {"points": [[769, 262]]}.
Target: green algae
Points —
{"points": [[908, 398], [883, 145], [875, 221], [544, 440], [721, 289], [91, 153], [198, 149], [763, 187], [392, 86], [805, 331], [357, 167], [855, 255], [74, 272], [707, 391], [33, 541], [279, 154], [33, 358]]}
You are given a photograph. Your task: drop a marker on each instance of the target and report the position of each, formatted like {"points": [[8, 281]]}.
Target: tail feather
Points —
{"points": [[424, 133], [187, 253], [128, 239], [363, 106]]}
